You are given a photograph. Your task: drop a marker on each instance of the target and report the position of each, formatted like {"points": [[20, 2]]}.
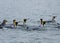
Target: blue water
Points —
{"points": [[33, 10]]}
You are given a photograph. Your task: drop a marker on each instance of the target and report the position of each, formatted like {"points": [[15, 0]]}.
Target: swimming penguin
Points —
{"points": [[52, 20], [11, 26], [15, 23], [24, 21], [3, 23], [42, 22], [37, 27]]}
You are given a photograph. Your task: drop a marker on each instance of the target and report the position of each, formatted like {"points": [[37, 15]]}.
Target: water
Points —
{"points": [[34, 10], [19, 36]]}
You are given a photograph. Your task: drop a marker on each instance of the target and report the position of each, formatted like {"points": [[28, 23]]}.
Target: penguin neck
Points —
{"points": [[53, 19], [41, 22], [3, 24], [14, 23], [24, 23]]}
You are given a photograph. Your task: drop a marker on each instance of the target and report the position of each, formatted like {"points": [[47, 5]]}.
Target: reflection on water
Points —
{"points": [[48, 34], [22, 36]]}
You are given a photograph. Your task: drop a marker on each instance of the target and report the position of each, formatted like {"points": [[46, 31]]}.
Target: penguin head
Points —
{"points": [[4, 21], [53, 17], [14, 20], [24, 20]]}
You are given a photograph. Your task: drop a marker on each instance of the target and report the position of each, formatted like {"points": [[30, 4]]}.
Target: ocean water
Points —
{"points": [[33, 10]]}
